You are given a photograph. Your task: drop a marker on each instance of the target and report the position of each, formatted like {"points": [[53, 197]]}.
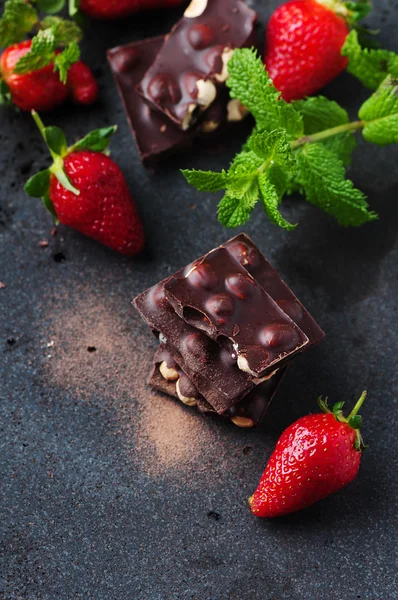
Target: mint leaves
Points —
{"points": [[303, 146], [17, 20], [369, 65]]}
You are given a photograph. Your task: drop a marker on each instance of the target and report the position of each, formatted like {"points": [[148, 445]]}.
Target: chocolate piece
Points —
{"points": [[182, 81], [245, 251], [211, 368], [253, 407], [217, 295], [155, 135]]}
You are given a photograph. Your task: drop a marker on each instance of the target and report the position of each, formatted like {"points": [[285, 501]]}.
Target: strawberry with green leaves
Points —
{"points": [[302, 146], [303, 44], [86, 190], [314, 457], [41, 73]]}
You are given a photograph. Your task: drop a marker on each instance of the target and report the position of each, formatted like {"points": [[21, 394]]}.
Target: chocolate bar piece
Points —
{"points": [[212, 369], [156, 137], [168, 377], [249, 256], [216, 294], [182, 81]]}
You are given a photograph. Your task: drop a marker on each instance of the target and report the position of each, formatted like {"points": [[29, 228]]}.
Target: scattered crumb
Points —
{"points": [[54, 231], [192, 206], [2, 285], [43, 244], [163, 128]]}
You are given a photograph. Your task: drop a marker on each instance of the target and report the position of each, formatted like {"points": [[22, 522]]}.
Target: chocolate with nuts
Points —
{"points": [[191, 66], [155, 135], [216, 294], [248, 412]]}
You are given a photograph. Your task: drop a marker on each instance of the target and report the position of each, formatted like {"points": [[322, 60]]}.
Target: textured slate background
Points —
{"points": [[110, 492]]}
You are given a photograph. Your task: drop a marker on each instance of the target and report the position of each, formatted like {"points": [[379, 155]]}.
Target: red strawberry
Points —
{"points": [[86, 190], [42, 89], [39, 90], [314, 457], [303, 45], [82, 85], [115, 9]]}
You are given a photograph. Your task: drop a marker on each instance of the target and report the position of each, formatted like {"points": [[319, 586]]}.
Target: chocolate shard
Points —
{"points": [[156, 137], [249, 256], [191, 67], [217, 295]]}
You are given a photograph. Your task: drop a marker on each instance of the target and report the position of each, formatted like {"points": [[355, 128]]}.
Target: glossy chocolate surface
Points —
{"points": [[192, 52], [216, 294], [210, 366], [155, 135], [247, 253]]}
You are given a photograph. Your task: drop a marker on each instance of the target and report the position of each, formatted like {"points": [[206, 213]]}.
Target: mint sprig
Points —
{"points": [[303, 146], [56, 33]]}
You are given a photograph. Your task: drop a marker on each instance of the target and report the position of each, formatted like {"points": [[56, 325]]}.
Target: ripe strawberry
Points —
{"points": [[86, 190], [115, 9], [303, 44], [40, 90], [82, 85], [314, 457]]}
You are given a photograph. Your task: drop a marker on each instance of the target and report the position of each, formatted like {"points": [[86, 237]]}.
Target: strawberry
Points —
{"points": [[115, 9], [314, 457], [86, 190], [81, 83], [42, 89], [303, 44]]}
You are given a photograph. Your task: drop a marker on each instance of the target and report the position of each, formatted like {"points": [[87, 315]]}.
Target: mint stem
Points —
{"points": [[326, 133], [357, 406]]}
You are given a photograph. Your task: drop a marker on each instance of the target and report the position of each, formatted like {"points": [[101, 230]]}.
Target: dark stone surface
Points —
{"points": [[110, 492]]}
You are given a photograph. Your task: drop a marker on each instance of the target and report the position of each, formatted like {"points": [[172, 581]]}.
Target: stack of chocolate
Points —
{"points": [[227, 326], [173, 87]]}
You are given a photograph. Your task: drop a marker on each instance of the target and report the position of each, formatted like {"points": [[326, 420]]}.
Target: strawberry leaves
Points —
{"points": [[38, 186]]}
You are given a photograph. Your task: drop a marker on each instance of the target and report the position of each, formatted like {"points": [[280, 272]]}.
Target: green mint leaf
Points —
{"points": [[97, 140], [17, 20], [270, 201], [64, 60], [206, 181], [38, 185], [56, 140], [318, 114], [370, 66], [232, 212], [380, 113], [40, 55], [64, 31], [274, 149], [50, 6], [321, 175], [249, 82]]}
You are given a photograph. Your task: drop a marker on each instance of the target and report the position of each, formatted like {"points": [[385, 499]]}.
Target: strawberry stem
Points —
{"points": [[42, 128], [357, 406]]}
